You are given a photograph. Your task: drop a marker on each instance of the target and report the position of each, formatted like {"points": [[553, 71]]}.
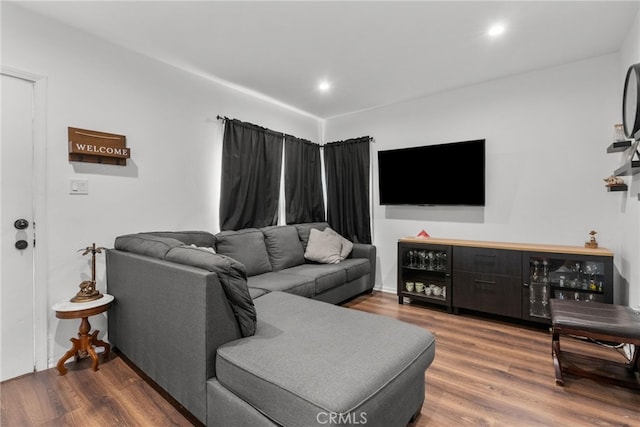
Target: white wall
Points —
{"points": [[169, 119], [547, 132], [630, 218]]}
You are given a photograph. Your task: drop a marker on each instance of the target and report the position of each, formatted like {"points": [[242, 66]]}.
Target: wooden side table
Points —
{"points": [[85, 343]]}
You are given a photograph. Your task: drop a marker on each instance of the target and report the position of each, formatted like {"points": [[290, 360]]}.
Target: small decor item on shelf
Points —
{"points": [[88, 291], [612, 181], [618, 133], [423, 235], [592, 243]]}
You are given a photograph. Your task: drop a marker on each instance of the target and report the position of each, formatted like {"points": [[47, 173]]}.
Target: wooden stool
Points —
{"points": [[599, 323], [85, 343]]}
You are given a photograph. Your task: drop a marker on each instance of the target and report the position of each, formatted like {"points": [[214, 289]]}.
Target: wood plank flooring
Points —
{"points": [[486, 373]]}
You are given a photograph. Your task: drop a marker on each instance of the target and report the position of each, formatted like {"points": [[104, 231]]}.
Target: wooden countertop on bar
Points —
{"points": [[532, 247]]}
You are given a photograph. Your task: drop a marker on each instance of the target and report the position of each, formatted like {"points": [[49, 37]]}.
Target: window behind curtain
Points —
{"points": [[251, 166], [304, 201], [347, 174]]}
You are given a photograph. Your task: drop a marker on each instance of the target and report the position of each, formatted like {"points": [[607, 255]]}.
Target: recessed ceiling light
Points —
{"points": [[496, 30], [324, 86]]}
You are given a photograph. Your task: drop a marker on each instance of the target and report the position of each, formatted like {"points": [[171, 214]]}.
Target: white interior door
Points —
{"points": [[17, 347]]}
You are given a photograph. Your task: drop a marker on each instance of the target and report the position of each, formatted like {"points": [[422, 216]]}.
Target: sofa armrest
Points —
{"points": [[169, 319], [363, 250]]}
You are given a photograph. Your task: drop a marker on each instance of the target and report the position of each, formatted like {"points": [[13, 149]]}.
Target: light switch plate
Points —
{"points": [[78, 186]]}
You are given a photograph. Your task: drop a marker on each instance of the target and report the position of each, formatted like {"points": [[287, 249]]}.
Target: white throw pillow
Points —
{"points": [[347, 245], [204, 248], [323, 247]]}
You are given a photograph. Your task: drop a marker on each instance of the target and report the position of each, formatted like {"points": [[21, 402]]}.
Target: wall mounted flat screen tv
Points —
{"points": [[441, 174]]}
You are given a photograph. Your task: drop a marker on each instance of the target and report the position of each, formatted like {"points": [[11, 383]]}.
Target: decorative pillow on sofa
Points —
{"points": [[347, 246], [246, 246], [198, 238], [232, 276], [326, 247], [283, 246], [146, 244], [305, 228], [203, 248]]}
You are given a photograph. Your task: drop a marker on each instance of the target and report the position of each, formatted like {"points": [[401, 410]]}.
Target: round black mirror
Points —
{"points": [[631, 102]]}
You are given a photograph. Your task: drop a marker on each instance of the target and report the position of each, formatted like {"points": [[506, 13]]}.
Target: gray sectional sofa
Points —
{"points": [[245, 336]]}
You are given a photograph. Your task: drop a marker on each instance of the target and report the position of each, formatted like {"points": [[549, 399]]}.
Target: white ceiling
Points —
{"points": [[373, 52]]}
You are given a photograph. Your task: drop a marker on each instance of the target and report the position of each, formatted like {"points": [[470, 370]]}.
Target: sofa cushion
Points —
{"points": [[257, 292], [281, 281], [146, 244], [326, 276], [198, 238], [232, 277], [246, 246], [305, 228], [283, 246], [350, 371], [356, 268]]}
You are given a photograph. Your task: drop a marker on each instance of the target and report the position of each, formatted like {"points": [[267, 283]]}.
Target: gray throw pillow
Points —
{"points": [[146, 244], [246, 246], [198, 238], [232, 276], [305, 228], [283, 246]]}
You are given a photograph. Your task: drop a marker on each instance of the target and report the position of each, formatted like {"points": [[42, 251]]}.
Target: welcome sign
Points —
{"points": [[98, 147]]}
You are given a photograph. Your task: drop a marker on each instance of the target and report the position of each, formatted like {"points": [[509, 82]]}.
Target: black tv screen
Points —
{"points": [[442, 174]]}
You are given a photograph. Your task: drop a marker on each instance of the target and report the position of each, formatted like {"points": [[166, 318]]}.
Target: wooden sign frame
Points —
{"points": [[98, 147]]}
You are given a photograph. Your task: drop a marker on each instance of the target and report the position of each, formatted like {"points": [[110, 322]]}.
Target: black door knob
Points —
{"points": [[21, 224], [22, 244]]}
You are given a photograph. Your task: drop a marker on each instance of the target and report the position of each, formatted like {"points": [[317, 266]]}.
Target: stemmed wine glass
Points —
{"points": [[412, 258]]}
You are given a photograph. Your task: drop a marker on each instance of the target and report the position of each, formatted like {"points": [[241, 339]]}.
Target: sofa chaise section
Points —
{"points": [[320, 361]]}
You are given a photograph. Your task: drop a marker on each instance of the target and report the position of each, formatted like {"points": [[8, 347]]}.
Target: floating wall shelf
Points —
{"points": [[97, 147], [631, 168], [617, 187], [619, 146]]}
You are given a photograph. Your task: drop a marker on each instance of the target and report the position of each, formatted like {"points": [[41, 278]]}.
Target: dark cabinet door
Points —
{"points": [[488, 293], [488, 280], [500, 262], [563, 276]]}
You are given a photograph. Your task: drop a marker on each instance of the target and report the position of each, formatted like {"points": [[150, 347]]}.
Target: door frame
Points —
{"points": [[40, 256]]}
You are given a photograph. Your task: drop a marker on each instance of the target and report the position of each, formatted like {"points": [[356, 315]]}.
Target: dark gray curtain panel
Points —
{"points": [[304, 201], [251, 165], [347, 174]]}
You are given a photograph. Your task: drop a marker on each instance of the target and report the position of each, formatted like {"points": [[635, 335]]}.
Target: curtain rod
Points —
{"points": [[224, 118], [371, 139]]}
